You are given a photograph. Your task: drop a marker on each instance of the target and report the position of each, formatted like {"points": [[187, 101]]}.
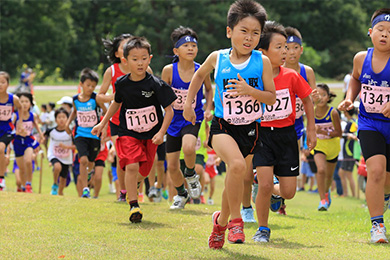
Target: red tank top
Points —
{"points": [[115, 74]]}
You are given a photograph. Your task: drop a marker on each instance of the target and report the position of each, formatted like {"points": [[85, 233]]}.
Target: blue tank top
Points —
{"points": [[90, 105], [7, 126], [299, 126], [369, 77], [225, 71], [302, 72], [28, 124], [325, 119], [178, 121]]}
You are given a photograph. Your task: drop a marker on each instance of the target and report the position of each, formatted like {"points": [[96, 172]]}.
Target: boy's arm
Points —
{"points": [[158, 138], [336, 124], [72, 116], [111, 111], [209, 98], [267, 96], [354, 83], [166, 74], [310, 129], [196, 83], [101, 96], [35, 123]]}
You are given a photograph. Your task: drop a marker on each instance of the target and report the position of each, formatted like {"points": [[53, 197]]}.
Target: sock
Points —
{"points": [[181, 191], [264, 228], [377, 219], [134, 203], [189, 172], [123, 191], [247, 207]]}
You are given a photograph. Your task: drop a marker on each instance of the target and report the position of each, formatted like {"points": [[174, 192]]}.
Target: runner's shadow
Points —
{"points": [[192, 212], [145, 225], [282, 243]]}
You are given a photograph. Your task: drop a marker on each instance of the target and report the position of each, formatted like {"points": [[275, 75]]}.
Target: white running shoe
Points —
{"points": [[111, 188], [378, 233], [2, 184], [194, 187], [152, 192], [179, 202], [158, 197], [247, 215], [210, 201]]}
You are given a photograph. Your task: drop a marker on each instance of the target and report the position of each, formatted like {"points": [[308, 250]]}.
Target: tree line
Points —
{"points": [[65, 36]]}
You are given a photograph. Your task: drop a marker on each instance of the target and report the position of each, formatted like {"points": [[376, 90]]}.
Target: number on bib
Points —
{"points": [[181, 99], [281, 109], [142, 119], [60, 152], [299, 108], [87, 118], [5, 113], [374, 98], [29, 127], [327, 127], [241, 110]]}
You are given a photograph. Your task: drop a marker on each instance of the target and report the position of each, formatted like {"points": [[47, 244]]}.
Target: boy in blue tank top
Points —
{"points": [[243, 78], [8, 103], [371, 77], [85, 107], [182, 134]]}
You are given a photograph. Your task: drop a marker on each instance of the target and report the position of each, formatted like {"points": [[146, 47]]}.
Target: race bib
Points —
{"points": [[181, 99], [61, 152], [141, 119], [29, 127], [87, 118], [374, 98], [5, 113], [299, 108], [327, 127], [241, 110], [281, 109]]}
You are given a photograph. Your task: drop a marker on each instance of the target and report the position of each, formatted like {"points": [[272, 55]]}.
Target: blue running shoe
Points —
{"points": [[86, 193], [276, 181], [165, 194], [54, 189], [328, 198], [276, 203], [247, 215], [323, 206]]}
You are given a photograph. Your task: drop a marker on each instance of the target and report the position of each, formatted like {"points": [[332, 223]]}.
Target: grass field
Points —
{"points": [[41, 226]]}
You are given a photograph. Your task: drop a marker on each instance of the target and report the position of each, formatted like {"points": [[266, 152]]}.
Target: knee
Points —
{"points": [[288, 195], [132, 168], [266, 188], [188, 149], [237, 167], [321, 170], [84, 161], [173, 168], [57, 167]]}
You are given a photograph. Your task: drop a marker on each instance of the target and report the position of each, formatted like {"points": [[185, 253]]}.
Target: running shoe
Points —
{"points": [[54, 189], [86, 193], [328, 198], [165, 194], [387, 203], [135, 215], [111, 188], [255, 188], [122, 196], [282, 210], [262, 236], [202, 199], [210, 201], [152, 192], [378, 233], [247, 215], [158, 197], [180, 201], [140, 197], [2, 184], [236, 231], [276, 180], [323, 206], [276, 203], [28, 188], [217, 237], [194, 186]]}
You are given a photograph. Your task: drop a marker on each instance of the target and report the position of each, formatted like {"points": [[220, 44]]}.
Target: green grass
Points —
{"points": [[41, 226]]}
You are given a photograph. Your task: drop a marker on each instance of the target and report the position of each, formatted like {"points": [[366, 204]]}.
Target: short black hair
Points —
{"points": [[136, 42], [59, 111], [246, 8], [52, 105], [327, 89], [27, 95], [291, 31], [379, 12], [270, 28], [112, 46], [90, 74], [180, 32], [44, 106]]}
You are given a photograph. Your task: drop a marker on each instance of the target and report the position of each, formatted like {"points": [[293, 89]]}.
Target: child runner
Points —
{"points": [[24, 143], [114, 51], [243, 79], [279, 154], [182, 134], [142, 126], [85, 107], [8, 103], [60, 149], [371, 76], [326, 152]]}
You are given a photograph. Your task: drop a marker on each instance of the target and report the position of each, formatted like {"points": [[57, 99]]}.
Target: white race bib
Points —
{"points": [[87, 118], [60, 152], [327, 127], [5, 113], [28, 126], [141, 119], [281, 109], [241, 110], [374, 98], [299, 108], [181, 99]]}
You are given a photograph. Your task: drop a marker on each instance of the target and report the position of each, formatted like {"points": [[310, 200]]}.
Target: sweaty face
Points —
{"points": [[245, 35]]}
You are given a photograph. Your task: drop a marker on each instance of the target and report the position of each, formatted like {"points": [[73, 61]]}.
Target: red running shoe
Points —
{"points": [[29, 188], [217, 237], [236, 231]]}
